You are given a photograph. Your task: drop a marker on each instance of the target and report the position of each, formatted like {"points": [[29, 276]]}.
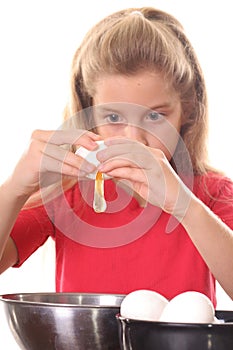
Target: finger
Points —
{"points": [[138, 187], [52, 165], [119, 140], [132, 155], [72, 137], [119, 150], [130, 174], [120, 144], [110, 160], [138, 190], [68, 158], [117, 163]]}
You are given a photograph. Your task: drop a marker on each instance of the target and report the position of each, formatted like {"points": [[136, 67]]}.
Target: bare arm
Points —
{"points": [[44, 159], [152, 177], [214, 241], [10, 206], [9, 257]]}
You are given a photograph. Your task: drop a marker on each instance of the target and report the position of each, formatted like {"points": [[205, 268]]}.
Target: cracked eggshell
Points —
{"points": [[90, 156]]}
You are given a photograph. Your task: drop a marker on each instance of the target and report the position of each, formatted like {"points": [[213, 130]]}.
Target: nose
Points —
{"points": [[135, 132]]}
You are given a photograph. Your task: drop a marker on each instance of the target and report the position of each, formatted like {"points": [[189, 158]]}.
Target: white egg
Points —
{"points": [[189, 307], [90, 156], [143, 304]]}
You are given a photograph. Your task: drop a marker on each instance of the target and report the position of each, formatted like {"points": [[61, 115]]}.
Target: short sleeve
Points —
{"points": [[216, 191], [222, 202], [31, 230]]}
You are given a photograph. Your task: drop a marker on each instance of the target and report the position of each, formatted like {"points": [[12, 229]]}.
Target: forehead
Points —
{"points": [[143, 88]]}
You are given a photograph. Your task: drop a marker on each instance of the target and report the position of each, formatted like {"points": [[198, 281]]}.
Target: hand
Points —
{"points": [[46, 160], [147, 172]]}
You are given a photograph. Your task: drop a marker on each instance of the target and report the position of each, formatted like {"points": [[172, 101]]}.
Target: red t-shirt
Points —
{"points": [[127, 247]]}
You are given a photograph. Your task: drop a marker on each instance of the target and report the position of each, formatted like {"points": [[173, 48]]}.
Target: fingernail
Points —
{"points": [[89, 168], [99, 156], [94, 143]]}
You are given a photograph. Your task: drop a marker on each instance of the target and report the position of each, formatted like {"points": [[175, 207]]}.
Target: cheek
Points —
{"points": [[157, 144], [105, 131], [165, 138]]}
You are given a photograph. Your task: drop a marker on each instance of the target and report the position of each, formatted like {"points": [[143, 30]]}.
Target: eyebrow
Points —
{"points": [[116, 110], [162, 105], [107, 109]]}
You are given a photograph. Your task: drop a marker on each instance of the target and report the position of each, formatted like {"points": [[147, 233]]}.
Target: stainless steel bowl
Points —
{"points": [[63, 321], [147, 335]]}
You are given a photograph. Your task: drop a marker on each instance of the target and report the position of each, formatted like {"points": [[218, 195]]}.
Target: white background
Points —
{"points": [[38, 40]]}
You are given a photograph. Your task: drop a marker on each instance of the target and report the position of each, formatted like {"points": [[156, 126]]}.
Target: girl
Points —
{"points": [[136, 84]]}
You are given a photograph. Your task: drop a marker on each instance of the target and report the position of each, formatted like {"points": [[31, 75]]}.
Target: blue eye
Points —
{"points": [[113, 118], [154, 116]]}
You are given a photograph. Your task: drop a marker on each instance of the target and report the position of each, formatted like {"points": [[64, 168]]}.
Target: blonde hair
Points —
{"points": [[135, 39], [143, 38]]}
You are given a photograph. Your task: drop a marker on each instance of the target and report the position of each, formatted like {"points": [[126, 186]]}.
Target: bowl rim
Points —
{"points": [[19, 298], [129, 321]]}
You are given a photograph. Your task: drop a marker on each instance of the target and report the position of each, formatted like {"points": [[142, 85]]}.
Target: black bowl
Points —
{"points": [[147, 335]]}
